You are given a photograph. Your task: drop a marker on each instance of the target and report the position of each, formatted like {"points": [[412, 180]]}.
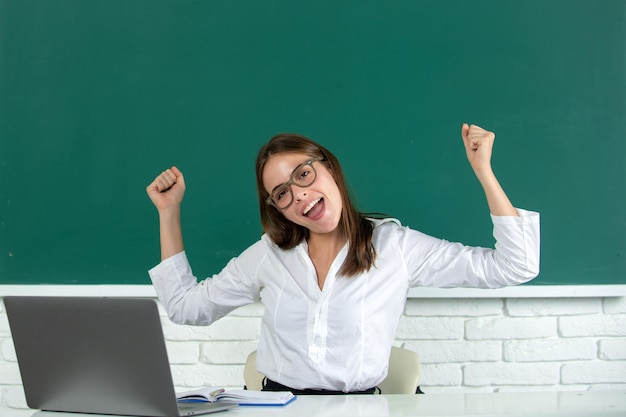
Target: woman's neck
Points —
{"points": [[326, 242], [323, 249]]}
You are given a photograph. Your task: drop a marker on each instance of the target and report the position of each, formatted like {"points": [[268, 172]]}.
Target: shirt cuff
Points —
{"points": [[525, 217], [168, 264]]}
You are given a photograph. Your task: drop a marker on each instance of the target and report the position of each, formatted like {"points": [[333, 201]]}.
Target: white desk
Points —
{"points": [[539, 404]]}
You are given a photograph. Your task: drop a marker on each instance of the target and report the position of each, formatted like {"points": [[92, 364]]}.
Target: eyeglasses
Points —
{"points": [[303, 176]]}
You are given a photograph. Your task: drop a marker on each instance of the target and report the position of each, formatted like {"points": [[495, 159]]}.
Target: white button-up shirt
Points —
{"points": [[340, 337]]}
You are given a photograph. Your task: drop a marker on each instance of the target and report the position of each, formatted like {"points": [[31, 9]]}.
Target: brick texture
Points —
{"points": [[465, 345]]}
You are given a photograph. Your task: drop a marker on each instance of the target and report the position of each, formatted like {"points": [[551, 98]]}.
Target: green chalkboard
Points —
{"points": [[97, 97]]}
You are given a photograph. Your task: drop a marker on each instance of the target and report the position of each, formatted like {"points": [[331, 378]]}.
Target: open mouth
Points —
{"points": [[308, 209]]}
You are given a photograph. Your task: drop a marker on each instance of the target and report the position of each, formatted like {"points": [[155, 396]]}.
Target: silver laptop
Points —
{"points": [[95, 355]]}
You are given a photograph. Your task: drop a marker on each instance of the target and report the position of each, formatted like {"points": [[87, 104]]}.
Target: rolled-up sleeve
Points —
{"points": [[188, 301], [514, 260]]}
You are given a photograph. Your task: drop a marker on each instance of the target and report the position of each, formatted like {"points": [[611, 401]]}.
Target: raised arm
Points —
{"points": [[478, 146], [166, 192]]}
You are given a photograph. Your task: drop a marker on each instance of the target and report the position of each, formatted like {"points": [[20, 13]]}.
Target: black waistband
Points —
{"points": [[269, 385]]}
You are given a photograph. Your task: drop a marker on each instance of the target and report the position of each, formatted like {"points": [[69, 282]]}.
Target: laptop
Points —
{"points": [[95, 355]]}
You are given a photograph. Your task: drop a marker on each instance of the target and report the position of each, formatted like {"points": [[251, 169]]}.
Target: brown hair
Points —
{"points": [[286, 234]]}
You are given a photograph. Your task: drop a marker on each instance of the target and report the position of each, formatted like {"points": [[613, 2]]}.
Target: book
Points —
{"points": [[237, 396]]}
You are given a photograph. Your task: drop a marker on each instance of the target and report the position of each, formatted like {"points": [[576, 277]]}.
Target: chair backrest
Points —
{"points": [[404, 373], [403, 376], [252, 377]]}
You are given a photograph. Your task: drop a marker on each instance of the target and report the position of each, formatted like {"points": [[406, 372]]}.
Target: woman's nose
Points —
{"points": [[300, 193]]}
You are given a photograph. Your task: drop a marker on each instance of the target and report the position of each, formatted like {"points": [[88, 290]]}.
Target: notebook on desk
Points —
{"points": [[95, 355]]}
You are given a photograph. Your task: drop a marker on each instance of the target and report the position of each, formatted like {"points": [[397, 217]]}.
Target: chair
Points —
{"points": [[252, 377], [403, 376], [404, 373]]}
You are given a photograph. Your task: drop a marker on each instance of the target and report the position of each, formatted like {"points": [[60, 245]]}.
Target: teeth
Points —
{"points": [[311, 205]]}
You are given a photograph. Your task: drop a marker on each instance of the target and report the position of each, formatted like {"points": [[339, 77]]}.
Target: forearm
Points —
{"points": [[171, 235], [478, 145], [497, 200], [166, 193]]}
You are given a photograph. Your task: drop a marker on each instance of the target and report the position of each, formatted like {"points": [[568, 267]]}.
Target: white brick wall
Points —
{"points": [[465, 344]]}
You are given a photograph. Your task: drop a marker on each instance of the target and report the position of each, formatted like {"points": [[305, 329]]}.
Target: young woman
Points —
{"points": [[333, 282]]}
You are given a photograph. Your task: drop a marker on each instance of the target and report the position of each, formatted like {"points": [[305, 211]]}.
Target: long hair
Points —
{"points": [[286, 234]]}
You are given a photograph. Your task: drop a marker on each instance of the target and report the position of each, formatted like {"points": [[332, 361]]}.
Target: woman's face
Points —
{"points": [[317, 207]]}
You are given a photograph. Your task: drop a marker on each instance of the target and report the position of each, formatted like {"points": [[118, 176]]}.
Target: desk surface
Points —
{"points": [[537, 404]]}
